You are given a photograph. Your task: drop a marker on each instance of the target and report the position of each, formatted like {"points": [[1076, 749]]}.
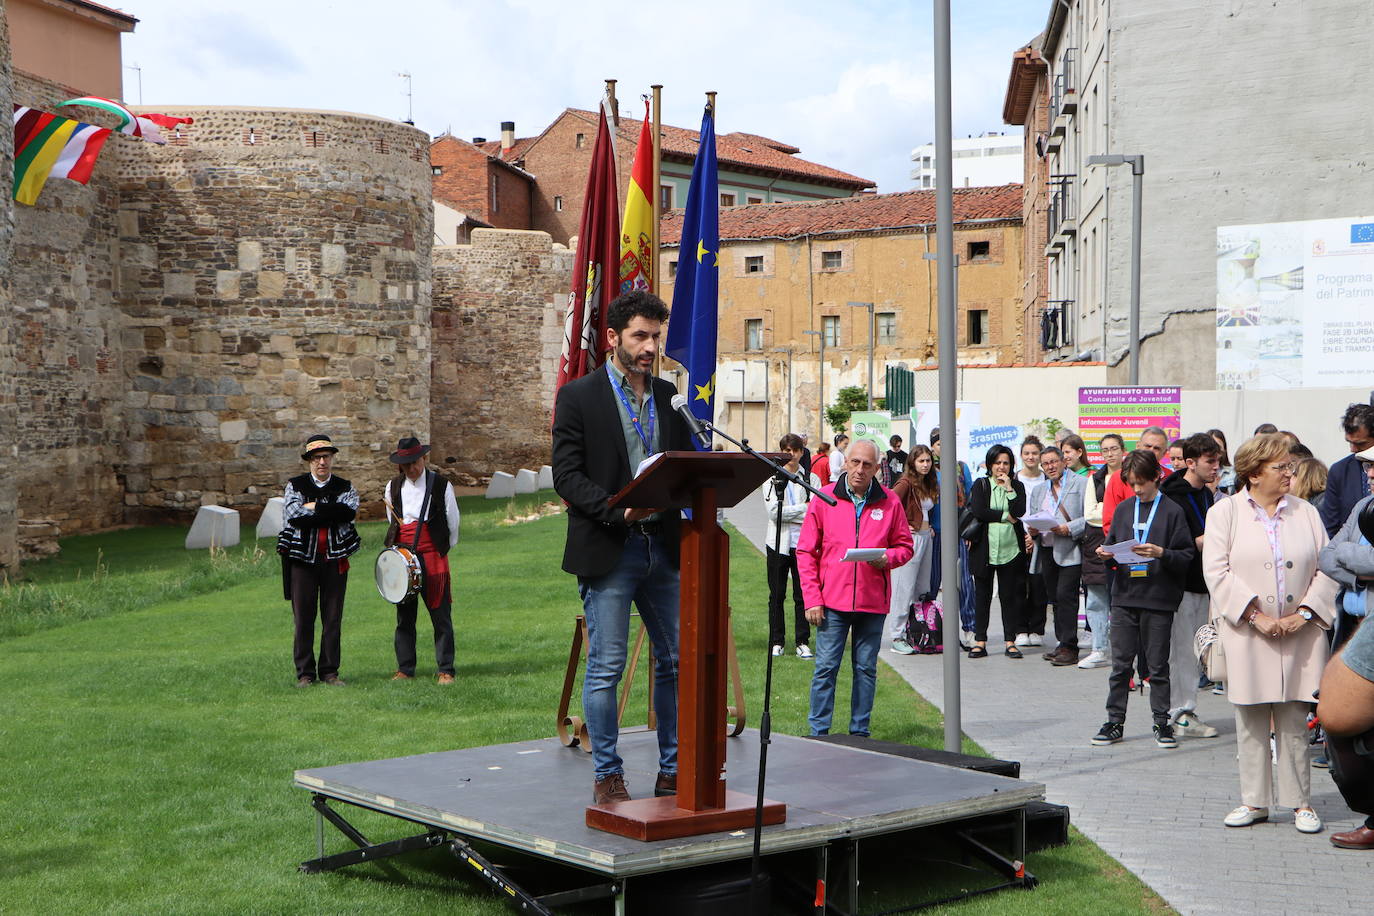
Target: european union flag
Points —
{"points": [[692, 325], [1361, 232]]}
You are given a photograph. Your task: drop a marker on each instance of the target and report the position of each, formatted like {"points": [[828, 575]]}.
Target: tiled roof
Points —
{"points": [[517, 150], [867, 213], [748, 151], [107, 10], [495, 156]]}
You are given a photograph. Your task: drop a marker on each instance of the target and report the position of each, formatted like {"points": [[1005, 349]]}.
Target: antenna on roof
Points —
{"points": [[410, 98]]}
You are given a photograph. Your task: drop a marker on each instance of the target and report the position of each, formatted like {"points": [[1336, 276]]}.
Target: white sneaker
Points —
{"points": [[777, 650], [1023, 639], [1034, 639], [1190, 726], [1095, 659], [1244, 816], [966, 639], [1306, 820], [804, 651], [902, 647]]}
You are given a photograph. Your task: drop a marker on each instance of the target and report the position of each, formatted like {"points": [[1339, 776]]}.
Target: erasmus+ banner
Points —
{"points": [[1295, 304]]}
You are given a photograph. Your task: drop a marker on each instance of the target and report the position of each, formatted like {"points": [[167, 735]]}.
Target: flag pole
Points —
{"points": [[612, 104], [657, 195]]}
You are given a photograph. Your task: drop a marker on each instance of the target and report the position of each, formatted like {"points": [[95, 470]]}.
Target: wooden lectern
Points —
{"points": [[703, 482]]}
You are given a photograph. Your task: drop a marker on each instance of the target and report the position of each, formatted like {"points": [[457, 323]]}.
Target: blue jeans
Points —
{"points": [[1099, 617], [830, 640], [647, 576]]}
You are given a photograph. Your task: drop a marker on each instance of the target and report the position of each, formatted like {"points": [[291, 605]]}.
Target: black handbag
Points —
{"points": [[970, 525]]}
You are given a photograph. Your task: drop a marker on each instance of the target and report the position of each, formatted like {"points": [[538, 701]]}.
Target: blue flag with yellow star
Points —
{"points": [[692, 325]]}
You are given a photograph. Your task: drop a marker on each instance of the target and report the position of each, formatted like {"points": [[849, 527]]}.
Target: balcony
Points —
{"points": [[1061, 218], [1064, 93], [1054, 324]]}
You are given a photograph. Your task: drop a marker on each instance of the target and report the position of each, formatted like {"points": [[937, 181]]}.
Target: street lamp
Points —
{"points": [[1137, 164], [765, 400], [741, 402], [820, 373], [869, 306]]}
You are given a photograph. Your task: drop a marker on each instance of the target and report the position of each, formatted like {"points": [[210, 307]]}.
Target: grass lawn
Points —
{"points": [[152, 724]]}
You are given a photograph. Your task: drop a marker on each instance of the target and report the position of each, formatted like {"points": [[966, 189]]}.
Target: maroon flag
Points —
{"points": [[596, 277]]}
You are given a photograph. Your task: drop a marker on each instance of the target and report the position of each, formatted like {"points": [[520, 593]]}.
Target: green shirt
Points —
{"points": [[633, 444], [1002, 547]]}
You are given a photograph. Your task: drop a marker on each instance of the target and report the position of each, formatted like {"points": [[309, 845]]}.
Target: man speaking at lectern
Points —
{"points": [[605, 424]]}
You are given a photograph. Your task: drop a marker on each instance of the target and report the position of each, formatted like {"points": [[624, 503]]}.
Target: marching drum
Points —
{"points": [[398, 574]]}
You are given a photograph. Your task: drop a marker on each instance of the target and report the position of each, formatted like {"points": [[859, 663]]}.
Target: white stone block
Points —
{"points": [[502, 486], [546, 478], [526, 481], [215, 526], [270, 523]]}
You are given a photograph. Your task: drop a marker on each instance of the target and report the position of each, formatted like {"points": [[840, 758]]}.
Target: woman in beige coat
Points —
{"points": [[1259, 557]]}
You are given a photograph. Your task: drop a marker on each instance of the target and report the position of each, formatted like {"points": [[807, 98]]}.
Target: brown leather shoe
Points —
{"points": [[610, 789], [1359, 838], [445, 680], [402, 676], [334, 680], [304, 681], [666, 784], [1063, 657], [1049, 656]]}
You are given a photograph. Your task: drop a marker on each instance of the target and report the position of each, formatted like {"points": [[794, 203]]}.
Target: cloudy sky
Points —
{"points": [[848, 82]]}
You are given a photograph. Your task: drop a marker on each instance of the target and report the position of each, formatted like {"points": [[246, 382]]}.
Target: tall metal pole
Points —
{"points": [[1137, 176], [948, 355], [657, 193]]}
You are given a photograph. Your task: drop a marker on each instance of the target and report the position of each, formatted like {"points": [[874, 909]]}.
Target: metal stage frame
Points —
{"points": [[531, 797]]}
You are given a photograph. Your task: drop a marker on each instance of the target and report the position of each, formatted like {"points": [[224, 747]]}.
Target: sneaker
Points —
{"points": [[804, 651], [777, 651], [1095, 659], [902, 647], [1034, 639], [1306, 820], [1321, 762], [1244, 816], [1219, 689], [1164, 736], [1190, 726], [966, 639], [1110, 733], [1022, 639]]}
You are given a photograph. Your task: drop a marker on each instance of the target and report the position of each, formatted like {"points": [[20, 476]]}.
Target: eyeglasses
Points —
{"points": [[1283, 468]]}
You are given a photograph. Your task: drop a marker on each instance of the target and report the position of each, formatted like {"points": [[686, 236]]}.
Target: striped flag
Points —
{"points": [[48, 145], [637, 228], [146, 126]]}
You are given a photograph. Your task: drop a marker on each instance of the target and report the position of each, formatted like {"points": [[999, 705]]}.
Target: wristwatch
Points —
{"points": [[1305, 613]]}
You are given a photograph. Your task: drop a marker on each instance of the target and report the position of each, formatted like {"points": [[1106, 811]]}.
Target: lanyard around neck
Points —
{"points": [[1149, 522], [651, 417]]}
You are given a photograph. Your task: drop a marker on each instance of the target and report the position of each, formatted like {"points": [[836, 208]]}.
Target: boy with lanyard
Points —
{"points": [[1145, 594]]}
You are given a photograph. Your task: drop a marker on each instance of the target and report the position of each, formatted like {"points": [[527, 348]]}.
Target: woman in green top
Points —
{"points": [[1075, 455], [999, 500]]}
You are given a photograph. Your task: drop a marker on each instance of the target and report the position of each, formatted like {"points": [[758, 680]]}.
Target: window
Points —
{"points": [[885, 331], [830, 330], [558, 203], [494, 204], [672, 269], [437, 169], [665, 197], [753, 264], [753, 334], [580, 142], [977, 327], [727, 200], [979, 251], [751, 199], [831, 260]]}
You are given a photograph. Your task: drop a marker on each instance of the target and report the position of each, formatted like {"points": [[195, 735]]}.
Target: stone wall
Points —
{"points": [[498, 327], [276, 283], [9, 448]]}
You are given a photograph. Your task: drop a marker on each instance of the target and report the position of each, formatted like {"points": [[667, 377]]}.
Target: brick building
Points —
{"points": [[1027, 103], [488, 190], [790, 269]]}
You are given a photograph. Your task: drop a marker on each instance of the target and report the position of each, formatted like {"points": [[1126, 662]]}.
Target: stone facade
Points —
{"points": [[9, 443], [498, 328]]}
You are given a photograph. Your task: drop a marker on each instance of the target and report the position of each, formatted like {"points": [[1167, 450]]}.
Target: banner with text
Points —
{"points": [[1126, 410], [983, 438], [874, 425], [925, 416], [1295, 304]]}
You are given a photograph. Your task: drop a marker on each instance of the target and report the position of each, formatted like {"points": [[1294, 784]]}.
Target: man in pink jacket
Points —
{"points": [[842, 596]]}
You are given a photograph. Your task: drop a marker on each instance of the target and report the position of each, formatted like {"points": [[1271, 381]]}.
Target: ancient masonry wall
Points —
{"points": [[276, 283], [498, 328], [9, 445]]}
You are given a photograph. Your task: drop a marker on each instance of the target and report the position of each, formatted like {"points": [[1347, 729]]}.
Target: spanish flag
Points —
{"points": [[637, 228]]}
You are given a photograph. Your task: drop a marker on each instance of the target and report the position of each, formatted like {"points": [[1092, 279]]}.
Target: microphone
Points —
{"points": [[698, 431]]}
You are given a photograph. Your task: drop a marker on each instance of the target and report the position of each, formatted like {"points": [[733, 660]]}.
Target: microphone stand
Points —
{"points": [[757, 898]]}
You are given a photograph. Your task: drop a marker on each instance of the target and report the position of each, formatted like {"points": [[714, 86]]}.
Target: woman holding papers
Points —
{"points": [[999, 500], [1148, 549], [1260, 556]]}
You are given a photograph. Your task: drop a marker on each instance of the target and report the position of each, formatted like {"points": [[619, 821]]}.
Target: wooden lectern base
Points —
{"points": [[661, 819]]}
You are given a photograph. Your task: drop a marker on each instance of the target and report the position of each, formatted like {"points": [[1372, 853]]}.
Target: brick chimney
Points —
{"points": [[507, 137]]}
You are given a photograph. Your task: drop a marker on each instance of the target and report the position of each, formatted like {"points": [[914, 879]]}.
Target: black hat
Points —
{"points": [[318, 443], [408, 450]]}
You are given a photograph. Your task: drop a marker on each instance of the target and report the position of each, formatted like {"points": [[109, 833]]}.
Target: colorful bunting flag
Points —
{"points": [[47, 145]]}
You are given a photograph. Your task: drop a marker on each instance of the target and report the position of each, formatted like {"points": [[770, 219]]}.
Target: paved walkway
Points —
{"points": [[1156, 811]]}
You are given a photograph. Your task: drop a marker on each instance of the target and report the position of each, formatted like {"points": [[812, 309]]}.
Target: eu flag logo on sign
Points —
{"points": [[1361, 232]]}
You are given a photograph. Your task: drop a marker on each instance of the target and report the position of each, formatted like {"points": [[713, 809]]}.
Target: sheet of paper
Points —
{"points": [[1041, 521], [863, 554], [1123, 552], [646, 462]]}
